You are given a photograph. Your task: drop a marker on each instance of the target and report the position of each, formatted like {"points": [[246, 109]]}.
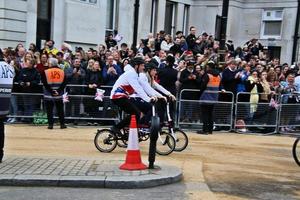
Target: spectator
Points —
{"points": [[191, 38], [253, 86], [124, 51], [158, 40], [51, 50], [53, 91], [229, 81], [32, 48], [62, 63], [188, 79], [210, 81], [111, 72], [167, 43], [110, 42], [80, 55], [41, 67], [176, 48], [75, 76], [29, 78], [168, 75], [94, 80], [289, 113]]}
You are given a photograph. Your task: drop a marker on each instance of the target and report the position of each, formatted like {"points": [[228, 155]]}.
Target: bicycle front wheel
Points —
{"points": [[105, 141], [181, 140], [296, 151], [165, 143]]}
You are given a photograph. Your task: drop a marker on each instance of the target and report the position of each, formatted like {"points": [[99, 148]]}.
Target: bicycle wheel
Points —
{"points": [[296, 151], [105, 141], [165, 143], [181, 140]]}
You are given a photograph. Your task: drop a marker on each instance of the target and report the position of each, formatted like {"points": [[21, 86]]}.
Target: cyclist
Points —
{"points": [[126, 85], [159, 90]]}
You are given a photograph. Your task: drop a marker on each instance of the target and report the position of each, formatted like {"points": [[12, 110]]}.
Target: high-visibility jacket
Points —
{"points": [[212, 85], [54, 79], [7, 74]]}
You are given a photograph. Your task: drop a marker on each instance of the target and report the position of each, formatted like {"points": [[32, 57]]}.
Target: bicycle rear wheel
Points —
{"points": [[105, 141], [181, 140], [165, 143], [296, 151]]}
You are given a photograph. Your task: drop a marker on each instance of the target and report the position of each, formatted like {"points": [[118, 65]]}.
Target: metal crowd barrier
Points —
{"points": [[289, 114], [27, 106], [260, 117], [255, 117], [189, 109]]}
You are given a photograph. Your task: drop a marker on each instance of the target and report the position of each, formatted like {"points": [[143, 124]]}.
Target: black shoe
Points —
{"points": [[50, 127], [210, 132], [63, 126], [202, 132], [115, 130]]}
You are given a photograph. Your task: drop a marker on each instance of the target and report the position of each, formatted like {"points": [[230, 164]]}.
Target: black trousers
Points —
{"points": [[1, 138], [133, 106], [207, 117], [59, 108]]}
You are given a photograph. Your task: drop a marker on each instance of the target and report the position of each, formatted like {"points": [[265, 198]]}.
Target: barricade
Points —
{"points": [[253, 116], [189, 111], [289, 114], [28, 107]]}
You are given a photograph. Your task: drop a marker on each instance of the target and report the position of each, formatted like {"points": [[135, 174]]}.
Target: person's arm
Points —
{"points": [[45, 83], [204, 82], [143, 80], [133, 81], [63, 85], [160, 88]]}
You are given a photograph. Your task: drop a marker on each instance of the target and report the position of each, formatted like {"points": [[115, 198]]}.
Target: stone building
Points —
{"points": [[86, 22]]}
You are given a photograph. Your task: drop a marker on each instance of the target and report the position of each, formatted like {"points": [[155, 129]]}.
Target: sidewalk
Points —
{"points": [[17, 171]]}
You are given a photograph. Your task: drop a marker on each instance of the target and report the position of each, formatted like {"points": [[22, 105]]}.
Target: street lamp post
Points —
{"points": [[224, 18], [135, 23]]}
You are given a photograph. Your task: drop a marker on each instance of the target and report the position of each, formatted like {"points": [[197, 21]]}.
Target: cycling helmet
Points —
{"points": [[137, 61], [149, 66]]}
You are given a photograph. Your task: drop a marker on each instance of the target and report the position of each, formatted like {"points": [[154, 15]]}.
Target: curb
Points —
{"points": [[155, 177]]}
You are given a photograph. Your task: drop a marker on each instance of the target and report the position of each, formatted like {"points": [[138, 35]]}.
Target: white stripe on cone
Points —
{"points": [[133, 141]]}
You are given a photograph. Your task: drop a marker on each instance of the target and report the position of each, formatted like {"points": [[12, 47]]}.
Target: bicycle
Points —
{"points": [[296, 151], [179, 135], [106, 141]]}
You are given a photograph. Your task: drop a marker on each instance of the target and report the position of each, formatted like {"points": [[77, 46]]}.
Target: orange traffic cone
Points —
{"points": [[133, 155]]}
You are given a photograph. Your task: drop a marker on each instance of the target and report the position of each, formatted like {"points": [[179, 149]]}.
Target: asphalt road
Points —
{"points": [[218, 166]]}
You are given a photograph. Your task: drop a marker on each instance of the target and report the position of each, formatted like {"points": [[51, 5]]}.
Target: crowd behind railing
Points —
{"points": [[248, 68]]}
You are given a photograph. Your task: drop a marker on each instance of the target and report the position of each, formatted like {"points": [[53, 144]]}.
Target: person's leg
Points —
{"points": [[161, 110], [1, 138], [210, 118], [205, 117], [60, 112], [49, 107], [129, 108], [144, 107]]}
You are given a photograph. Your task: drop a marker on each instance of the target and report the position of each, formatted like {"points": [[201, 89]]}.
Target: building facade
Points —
{"points": [[86, 22]]}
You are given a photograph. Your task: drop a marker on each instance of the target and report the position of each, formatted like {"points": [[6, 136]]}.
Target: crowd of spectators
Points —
{"points": [[247, 68]]}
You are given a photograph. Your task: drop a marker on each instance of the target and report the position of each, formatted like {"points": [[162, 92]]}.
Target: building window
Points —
{"points": [[154, 11], [112, 11], [170, 16], [186, 15], [271, 24]]}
